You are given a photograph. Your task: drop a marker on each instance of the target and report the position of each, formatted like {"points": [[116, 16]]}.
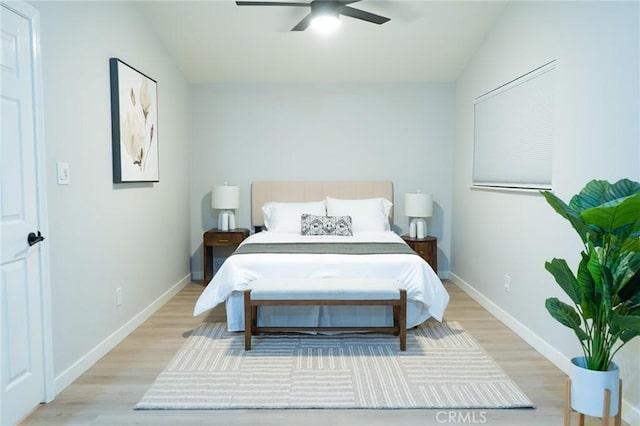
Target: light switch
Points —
{"points": [[63, 174]]}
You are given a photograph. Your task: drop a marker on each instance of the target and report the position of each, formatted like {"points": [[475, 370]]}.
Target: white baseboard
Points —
{"points": [[630, 414], [539, 344], [78, 368]]}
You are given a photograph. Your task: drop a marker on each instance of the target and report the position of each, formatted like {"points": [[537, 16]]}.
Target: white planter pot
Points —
{"points": [[587, 388]]}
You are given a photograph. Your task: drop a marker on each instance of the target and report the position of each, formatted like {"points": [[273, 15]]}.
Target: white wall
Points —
{"points": [[495, 234], [247, 132], [105, 236]]}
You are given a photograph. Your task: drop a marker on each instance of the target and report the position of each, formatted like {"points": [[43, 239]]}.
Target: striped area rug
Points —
{"points": [[443, 367]]}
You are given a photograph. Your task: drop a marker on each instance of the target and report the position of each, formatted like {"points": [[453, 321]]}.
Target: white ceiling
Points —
{"points": [[218, 41]]}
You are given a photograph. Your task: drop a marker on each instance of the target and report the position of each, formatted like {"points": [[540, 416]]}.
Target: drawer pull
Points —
{"points": [[223, 241]]}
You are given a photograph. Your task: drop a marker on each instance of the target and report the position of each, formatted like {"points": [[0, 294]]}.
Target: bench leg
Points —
{"points": [[396, 319], [248, 320], [403, 319]]}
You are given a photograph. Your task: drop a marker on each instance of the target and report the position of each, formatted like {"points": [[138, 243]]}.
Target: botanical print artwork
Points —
{"points": [[137, 144], [136, 136]]}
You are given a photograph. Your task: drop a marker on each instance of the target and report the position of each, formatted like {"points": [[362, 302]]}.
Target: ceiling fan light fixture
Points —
{"points": [[324, 15], [326, 23]]}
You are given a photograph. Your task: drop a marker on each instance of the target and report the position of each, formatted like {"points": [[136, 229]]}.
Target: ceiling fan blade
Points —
{"points": [[270, 3], [304, 24], [361, 14]]}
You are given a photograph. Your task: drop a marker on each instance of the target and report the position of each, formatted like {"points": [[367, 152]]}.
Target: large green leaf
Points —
{"points": [[632, 242], [611, 210], [628, 276], [566, 315], [593, 194], [595, 269], [616, 214], [607, 296], [587, 285], [565, 279], [624, 268], [626, 309], [599, 192], [625, 322]]}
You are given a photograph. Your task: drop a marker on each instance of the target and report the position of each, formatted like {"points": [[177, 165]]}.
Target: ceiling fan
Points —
{"points": [[322, 9]]}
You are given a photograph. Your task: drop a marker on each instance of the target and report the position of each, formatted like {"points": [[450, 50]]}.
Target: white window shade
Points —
{"points": [[513, 133]]}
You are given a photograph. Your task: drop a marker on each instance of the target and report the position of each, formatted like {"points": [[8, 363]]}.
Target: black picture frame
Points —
{"points": [[134, 124]]}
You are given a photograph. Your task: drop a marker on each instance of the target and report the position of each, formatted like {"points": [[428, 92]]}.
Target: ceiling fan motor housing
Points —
{"points": [[324, 8]]}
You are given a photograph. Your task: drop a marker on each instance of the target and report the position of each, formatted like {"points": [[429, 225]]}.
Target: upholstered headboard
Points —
{"points": [[300, 191]]}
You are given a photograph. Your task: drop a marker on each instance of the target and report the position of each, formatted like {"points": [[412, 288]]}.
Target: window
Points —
{"points": [[513, 132]]}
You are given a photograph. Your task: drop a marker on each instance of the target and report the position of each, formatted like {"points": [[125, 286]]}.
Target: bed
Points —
{"points": [[360, 245]]}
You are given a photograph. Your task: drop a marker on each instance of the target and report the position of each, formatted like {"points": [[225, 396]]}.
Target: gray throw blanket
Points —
{"points": [[325, 248]]}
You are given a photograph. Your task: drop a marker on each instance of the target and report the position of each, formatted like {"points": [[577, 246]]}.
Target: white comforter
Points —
{"points": [[426, 295]]}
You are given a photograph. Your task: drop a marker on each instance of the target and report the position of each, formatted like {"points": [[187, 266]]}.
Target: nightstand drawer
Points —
{"points": [[215, 238], [426, 248], [223, 239], [423, 249]]}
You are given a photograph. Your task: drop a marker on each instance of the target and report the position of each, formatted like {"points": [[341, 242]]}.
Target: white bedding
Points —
{"points": [[426, 295]]}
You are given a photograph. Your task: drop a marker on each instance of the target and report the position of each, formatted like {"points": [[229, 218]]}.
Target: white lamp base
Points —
{"points": [[226, 220], [418, 228]]}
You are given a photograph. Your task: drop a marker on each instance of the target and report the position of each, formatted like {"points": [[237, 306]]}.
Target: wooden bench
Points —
{"points": [[327, 292]]}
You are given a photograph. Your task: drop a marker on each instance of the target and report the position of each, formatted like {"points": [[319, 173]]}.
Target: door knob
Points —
{"points": [[33, 239]]}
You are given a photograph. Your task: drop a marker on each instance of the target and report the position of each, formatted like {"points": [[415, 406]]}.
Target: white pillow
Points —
{"points": [[369, 214], [285, 217]]}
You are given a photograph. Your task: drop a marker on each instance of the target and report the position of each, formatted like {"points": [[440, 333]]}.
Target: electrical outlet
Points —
{"points": [[119, 296], [507, 283]]}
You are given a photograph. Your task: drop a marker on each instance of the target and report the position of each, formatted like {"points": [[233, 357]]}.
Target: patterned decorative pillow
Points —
{"points": [[326, 225]]}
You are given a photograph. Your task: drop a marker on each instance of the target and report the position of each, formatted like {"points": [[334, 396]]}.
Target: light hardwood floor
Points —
{"points": [[106, 394]]}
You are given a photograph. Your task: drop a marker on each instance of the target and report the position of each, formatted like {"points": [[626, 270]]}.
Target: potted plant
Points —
{"points": [[605, 290]]}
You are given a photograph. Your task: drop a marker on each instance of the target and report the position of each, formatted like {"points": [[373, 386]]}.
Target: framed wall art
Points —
{"points": [[134, 124]]}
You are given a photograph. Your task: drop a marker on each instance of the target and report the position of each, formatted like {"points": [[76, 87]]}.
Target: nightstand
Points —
{"points": [[427, 248], [217, 238]]}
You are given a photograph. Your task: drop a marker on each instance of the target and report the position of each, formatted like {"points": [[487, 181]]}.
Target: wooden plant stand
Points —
{"points": [[605, 409]]}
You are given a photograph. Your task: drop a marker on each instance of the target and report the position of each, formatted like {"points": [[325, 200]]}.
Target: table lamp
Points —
{"points": [[225, 198], [418, 206]]}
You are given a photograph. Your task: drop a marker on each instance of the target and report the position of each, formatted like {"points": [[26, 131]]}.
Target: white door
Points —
{"points": [[23, 267]]}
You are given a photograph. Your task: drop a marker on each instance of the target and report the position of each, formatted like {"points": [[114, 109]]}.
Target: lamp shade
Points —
{"points": [[418, 204], [225, 197]]}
